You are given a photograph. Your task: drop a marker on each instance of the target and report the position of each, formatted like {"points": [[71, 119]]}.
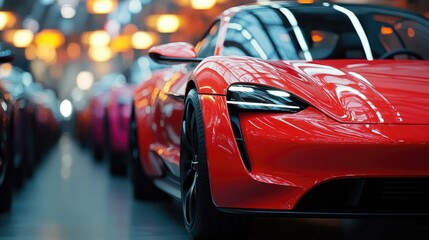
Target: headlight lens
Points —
{"points": [[253, 97]]}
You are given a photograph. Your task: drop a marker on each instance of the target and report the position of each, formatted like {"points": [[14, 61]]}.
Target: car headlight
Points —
{"points": [[253, 97]]}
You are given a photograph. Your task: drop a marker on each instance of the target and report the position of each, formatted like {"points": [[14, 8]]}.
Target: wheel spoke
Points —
{"points": [[190, 199], [186, 143], [188, 124], [189, 162], [188, 177]]}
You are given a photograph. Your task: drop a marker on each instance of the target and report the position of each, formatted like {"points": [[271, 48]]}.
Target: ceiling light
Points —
{"points": [[67, 11], [101, 6], [143, 40], [167, 23], [202, 4], [22, 38], [50, 37], [84, 80]]}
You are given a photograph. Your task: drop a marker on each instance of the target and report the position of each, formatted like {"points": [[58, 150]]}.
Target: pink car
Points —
{"points": [[98, 104], [118, 121], [119, 113]]}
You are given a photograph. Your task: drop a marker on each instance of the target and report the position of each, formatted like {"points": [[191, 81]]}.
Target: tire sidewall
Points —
{"points": [[205, 209]]}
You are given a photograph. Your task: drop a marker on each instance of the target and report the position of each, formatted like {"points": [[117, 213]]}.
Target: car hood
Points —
{"points": [[351, 91]]}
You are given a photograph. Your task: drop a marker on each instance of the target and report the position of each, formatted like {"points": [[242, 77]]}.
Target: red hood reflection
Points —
{"points": [[349, 91], [392, 92]]}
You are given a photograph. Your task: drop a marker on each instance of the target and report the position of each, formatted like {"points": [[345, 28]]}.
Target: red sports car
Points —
{"points": [[288, 109]]}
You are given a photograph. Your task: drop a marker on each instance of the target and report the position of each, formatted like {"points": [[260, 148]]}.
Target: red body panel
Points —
{"points": [[346, 90], [292, 153], [159, 116]]}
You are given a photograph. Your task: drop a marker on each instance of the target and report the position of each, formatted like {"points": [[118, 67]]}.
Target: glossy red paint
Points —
{"points": [[231, 184], [365, 119], [292, 153], [159, 114], [179, 49], [349, 91]]}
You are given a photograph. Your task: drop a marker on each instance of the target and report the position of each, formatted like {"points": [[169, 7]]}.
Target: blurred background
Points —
{"points": [[68, 45], [77, 63]]}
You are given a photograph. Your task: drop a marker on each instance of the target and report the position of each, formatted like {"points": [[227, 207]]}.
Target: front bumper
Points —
{"points": [[291, 154]]}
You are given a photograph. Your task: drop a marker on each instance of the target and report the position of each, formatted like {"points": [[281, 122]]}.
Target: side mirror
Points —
{"points": [[171, 53], [6, 55]]}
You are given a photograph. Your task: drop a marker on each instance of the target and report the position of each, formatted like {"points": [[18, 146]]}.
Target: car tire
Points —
{"points": [[202, 219], [6, 189], [20, 176], [143, 186], [7, 185], [97, 152], [117, 163]]}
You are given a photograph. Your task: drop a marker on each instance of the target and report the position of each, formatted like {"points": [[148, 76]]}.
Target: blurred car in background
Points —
{"points": [[281, 110], [46, 119], [30, 125], [82, 124], [119, 112], [97, 103], [6, 140], [17, 83]]}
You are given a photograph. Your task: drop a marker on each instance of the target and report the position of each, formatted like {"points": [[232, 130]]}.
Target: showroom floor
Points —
{"points": [[73, 197]]}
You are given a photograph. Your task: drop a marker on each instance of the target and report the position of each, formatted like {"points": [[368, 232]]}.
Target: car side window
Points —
{"points": [[252, 34], [387, 33], [206, 47]]}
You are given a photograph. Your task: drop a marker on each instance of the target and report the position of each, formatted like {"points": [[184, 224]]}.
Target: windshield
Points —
{"points": [[325, 32]]}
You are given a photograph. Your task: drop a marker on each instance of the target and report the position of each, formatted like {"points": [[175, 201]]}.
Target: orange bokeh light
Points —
{"points": [[22, 38], [73, 50], [203, 4], [411, 32], [100, 53], [99, 38], [7, 19], [306, 1], [316, 37], [101, 6], [164, 23], [121, 43], [386, 30], [50, 37], [144, 40]]}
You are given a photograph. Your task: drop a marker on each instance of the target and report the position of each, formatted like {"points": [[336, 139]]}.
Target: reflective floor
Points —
{"points": [[73, 197]]}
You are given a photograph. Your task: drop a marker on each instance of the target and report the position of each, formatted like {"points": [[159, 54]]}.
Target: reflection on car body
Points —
{"points": [[284, 111]]}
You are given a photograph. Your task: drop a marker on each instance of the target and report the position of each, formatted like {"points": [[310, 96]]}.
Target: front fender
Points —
{"points": [[215, 74]]}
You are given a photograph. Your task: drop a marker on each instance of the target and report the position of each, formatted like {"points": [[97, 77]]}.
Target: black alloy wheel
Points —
{"points": [[190, 163]]}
